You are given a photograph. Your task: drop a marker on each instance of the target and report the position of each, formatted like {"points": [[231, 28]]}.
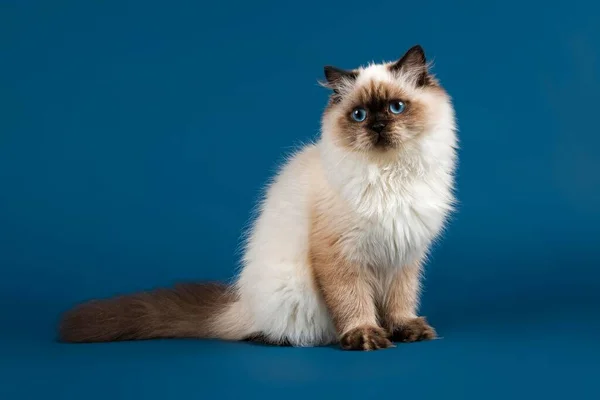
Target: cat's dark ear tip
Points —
{"points": [[331, 73], [334, 74], [418, 49]]}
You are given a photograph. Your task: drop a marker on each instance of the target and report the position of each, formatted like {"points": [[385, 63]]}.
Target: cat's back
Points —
{"points": [[280, 230]]}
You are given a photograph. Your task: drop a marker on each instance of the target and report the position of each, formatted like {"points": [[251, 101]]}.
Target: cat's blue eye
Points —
{"points": [[359, 114], [397, 107]]}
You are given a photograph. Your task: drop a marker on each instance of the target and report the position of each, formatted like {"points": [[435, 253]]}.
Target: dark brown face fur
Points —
{"points": [[382, 129]]}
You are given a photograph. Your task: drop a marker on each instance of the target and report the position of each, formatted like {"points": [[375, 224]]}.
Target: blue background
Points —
{"points": [[135, 138]]}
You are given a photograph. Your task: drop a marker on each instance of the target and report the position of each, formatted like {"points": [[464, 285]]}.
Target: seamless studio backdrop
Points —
{"points": [[136, 137]]}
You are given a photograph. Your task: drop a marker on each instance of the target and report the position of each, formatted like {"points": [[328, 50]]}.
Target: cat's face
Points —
{"points": [[382, 106]]}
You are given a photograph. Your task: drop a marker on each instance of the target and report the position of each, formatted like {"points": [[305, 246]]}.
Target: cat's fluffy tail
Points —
{"points": [[205, 310]]}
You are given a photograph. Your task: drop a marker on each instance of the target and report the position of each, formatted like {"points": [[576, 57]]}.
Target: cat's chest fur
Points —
{"points": [[397, 214]]}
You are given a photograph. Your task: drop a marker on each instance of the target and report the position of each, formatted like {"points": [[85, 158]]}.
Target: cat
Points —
{"points": [[336, 253]]}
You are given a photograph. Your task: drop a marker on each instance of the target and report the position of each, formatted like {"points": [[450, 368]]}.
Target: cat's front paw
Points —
{"points": [[366, 338], [413, 330]]}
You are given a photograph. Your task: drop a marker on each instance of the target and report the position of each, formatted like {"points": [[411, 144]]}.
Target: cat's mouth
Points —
{"points": [[380, 140], [383, 141]]}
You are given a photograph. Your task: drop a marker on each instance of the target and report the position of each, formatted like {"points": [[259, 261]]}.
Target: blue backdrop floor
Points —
{"points": [[546, 357]]}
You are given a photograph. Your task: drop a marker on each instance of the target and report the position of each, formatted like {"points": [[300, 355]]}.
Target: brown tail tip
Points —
{"points": [[184, 311], [95, 321]]}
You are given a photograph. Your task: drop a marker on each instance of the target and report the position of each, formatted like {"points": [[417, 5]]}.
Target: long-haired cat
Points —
{"points": [[336, 253]]}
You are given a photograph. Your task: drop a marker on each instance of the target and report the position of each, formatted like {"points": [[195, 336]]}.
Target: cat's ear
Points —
{"points": [[334, 75], [337, 79], [413, 63]]}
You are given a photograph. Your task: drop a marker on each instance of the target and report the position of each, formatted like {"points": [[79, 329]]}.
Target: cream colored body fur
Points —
{"points": [[389, 208]]}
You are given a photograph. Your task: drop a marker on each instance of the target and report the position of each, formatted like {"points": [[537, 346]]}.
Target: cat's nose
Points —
{"points": [[378, 126]]}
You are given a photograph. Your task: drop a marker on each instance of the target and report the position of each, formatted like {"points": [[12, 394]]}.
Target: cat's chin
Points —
{"points": [[385, 147], [390, 148], [386, 150], [388, 154]]}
